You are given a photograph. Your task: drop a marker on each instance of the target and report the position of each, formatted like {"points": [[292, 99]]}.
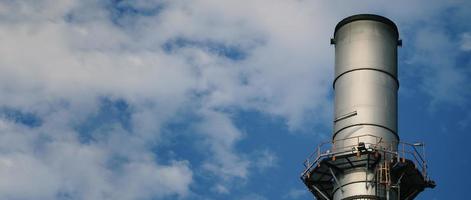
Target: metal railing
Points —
{"points": [[400, 151]]}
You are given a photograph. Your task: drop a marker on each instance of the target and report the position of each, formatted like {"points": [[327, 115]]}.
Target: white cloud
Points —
{"points": [[296, 193], [253, 197], [26, 177], [435, 60], [221, 189], [221, 138], [265, 159], [34, 165], [145, 180], [466, 41]]}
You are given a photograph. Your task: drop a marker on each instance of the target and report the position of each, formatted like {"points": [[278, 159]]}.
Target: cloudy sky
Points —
{"points": [[208, 99]]}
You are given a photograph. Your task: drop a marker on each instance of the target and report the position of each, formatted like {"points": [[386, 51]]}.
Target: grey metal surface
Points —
{"points": [[365, 96], [366, 80], [363, 161]]}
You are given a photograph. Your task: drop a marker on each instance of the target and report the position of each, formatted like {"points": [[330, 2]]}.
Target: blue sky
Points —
{"points": [[206, 99]]}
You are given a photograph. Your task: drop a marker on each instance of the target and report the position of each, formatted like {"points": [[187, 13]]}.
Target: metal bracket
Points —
{"points": [[332, 41], [350, 114], [367, 166], [320, 192], [336, 180]]}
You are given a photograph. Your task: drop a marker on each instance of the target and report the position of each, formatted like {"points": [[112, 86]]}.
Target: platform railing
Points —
{"points": [[400, 151]]}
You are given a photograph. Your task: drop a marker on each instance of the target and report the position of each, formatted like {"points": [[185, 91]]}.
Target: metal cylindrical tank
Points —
{"points": [[365, 88], [366, 81], [363, 160]]}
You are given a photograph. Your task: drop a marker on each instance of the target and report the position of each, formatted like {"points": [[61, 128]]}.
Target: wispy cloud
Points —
{"points": [[436, 60], [466, 41], [296, 193], [265, 159]]}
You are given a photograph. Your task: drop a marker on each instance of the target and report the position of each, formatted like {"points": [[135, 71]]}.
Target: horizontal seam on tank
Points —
{"points": [[362, 197], [366, 68], [370, 124], [349, 183]]}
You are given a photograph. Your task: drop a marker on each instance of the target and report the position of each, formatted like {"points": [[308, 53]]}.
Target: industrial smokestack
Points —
{"points": [[365, 159]]}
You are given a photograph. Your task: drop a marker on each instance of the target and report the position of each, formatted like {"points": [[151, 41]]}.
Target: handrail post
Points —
{"points": [[425, 162], [318, 150], [403, 152]]}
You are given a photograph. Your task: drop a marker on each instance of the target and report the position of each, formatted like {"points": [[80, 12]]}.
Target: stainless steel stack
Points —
{"points": [[365, 89], [363, 160]]}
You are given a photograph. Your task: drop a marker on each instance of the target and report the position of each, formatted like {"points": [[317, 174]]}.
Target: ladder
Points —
{"points": [[384, 174]]}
